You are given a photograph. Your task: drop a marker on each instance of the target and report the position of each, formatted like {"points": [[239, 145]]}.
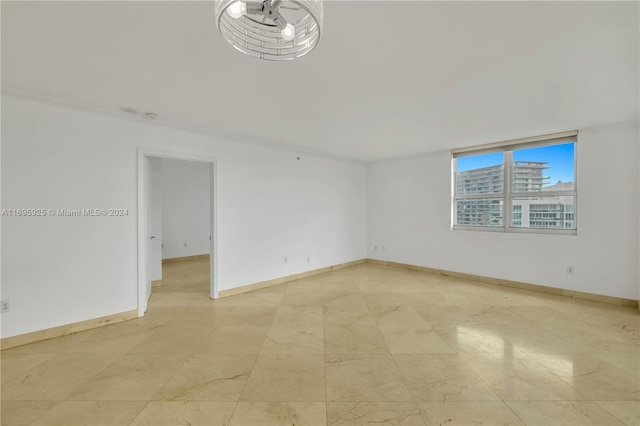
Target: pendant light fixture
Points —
{"points": [[275, 30]]}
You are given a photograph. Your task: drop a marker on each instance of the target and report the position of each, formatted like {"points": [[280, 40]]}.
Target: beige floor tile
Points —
{"points": [[471, 338], [230, 339], [251, 315], [517, 377], [541, 314], [403, 340], [173, 340], [629, 362], [373, 285], [278, 288], [303, 299], [301, 316], [159, 299], [134, 377], [341, 285], [592, 376], [353, 338], [388, 336], [260, 298], [425, 308], [348, 315], [279, 413], [628, 329], [286, 377], [521, 298], [599, 338], [495, 315], [161, 413], [598, 313], [373, 413], [117, 338], [23, 413], [223, 302], [628, 412], [534, 339], [462, 293], [401, 316], [57, 377], [410, 285], [312, 285], [445, 317], [425, 298], [563, 413], [208, 377], [468, 413], [157, 316], [209, 316], [383, 299], [91, 413], [15, 364], [442, 377], [294, 339], [364, 377], [53, 346], [343, 299]]}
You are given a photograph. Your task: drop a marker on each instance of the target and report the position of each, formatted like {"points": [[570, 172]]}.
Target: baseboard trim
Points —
{"points": [[288, 278], [514, 284], [63, 330], [186, 258]]}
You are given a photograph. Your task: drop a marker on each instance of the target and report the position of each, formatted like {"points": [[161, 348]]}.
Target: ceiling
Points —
{"points": [[388, 79]]}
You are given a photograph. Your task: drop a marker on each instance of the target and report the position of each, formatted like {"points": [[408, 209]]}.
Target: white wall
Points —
{"points": [[60, 270], [185, 208], [409, 212]]}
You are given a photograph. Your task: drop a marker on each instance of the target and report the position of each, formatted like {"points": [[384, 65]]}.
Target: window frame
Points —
{"points": [[507, 195]]}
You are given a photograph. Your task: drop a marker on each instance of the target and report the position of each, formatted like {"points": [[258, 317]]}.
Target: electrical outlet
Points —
{"points": [[185, 244], [308, 259], [570, 269], [285, 259], [375, 248], [5, 306]]}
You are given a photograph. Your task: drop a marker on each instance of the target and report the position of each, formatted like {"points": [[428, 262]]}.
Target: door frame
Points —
{"points": [[142, 220]]}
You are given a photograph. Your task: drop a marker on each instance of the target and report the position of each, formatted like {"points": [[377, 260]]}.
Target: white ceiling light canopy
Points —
{"points": [[275, 30]]}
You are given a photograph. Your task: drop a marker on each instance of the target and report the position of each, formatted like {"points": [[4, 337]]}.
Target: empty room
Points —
{"points": [[306, 212]]}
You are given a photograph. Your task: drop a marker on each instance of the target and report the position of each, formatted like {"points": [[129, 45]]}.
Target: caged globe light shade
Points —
{"points": [[275, 30]]}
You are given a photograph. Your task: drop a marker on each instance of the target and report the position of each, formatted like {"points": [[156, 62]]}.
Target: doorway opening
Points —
{"points": [[176, 227]]}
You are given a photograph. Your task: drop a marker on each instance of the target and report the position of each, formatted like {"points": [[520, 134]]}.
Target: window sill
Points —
{"points": [[516, 230]]}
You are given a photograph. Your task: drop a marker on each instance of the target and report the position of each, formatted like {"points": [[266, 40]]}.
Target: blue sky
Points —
{"points": [[559, 157]]}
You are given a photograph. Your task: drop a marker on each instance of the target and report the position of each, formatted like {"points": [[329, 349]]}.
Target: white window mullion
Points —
{"points": [[454, 186], [508, 185]]}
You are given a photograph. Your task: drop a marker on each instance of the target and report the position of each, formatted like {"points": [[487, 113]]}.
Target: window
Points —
{"points": [[526, 185]]}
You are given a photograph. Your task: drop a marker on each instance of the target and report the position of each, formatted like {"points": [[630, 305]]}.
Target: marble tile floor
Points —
{"points": [[362, 345]]}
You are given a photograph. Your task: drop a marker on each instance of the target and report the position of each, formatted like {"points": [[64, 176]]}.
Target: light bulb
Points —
{"points": [[237, 9], [288, 32]]}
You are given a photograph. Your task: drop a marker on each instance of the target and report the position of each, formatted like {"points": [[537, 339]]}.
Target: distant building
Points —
{"points": [[527, 212], [527, 177]]}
